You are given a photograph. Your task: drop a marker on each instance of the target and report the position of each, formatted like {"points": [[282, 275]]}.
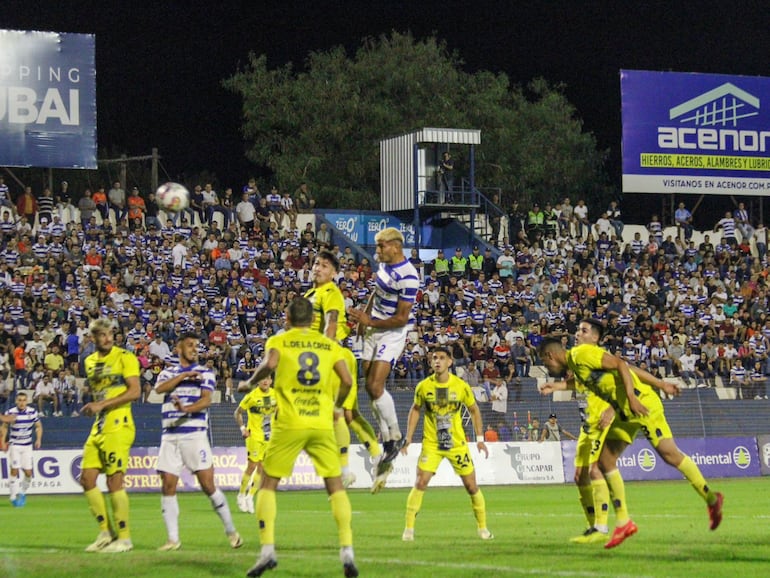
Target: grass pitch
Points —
{"points": [[532, 525]]}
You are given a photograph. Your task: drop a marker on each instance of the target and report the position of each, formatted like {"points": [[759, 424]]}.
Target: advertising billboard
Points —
{"points": [[695, 133], [47, 99]]}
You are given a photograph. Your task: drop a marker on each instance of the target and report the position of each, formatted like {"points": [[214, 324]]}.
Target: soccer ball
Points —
{"points": [[173, 197]]}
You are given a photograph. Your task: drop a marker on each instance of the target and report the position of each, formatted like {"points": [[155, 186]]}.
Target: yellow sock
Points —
{"points": [[266, 512], [692, 472], [601, 500], [413, 505], [342, 435], [245, 479], [120, 512], [98, 508], [479, 506], [618, 493], [256, 479], [366, 435], [343, 515], [587, 502]]}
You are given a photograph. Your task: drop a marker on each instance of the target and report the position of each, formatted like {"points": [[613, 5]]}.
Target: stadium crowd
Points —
{"points": [[697, 311]]}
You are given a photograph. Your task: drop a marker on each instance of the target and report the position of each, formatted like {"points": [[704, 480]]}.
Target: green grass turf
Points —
{"points": [[532, 525]]}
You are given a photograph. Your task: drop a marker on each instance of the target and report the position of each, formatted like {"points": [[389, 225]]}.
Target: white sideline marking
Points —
{"points": [[23, 550]]}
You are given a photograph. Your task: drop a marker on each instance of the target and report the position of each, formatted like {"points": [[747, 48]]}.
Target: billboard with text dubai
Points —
{"points": [[47, 99], [695, 133]]}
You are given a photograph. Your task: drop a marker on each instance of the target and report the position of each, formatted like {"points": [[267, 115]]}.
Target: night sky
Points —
{"points": [[160, 64]]}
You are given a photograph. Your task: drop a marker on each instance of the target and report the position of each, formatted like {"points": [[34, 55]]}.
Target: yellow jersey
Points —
{"points": [[304, 386], [325, 298], [259, 407], [442, 404], [106, 376], [585, 362]]}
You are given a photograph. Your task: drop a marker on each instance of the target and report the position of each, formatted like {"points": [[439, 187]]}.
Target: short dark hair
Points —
{"points": [[597, 325], [443, 350], [188, 335], [328, 256], [548, 342], [300, 312]]}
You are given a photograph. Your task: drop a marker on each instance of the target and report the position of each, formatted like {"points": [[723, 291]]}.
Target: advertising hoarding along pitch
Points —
{"points": [[47, 99], [695, 133]]}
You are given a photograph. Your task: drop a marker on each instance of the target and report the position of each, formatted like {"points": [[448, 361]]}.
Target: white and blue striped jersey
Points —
{"points": [[395, 283], [188, 391], [23, 429]]}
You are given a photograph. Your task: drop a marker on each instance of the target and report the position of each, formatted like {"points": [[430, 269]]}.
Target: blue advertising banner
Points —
{"points": [[716, 458], [47, 99], [695, 133], [361, 228]]}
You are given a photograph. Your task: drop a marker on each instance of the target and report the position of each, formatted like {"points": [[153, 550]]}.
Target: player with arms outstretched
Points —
{"points": [[113, 377], [442, 396]]}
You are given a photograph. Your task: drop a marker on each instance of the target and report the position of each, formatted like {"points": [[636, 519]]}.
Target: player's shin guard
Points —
{"points": [[693, 474], [98, 508], [618, 494], [601, 500], [479, 506], [381, 422], [343, 515], [219, 503], [587, 502], [120, 513], [366, 435], [266, 512], [413, 505]]}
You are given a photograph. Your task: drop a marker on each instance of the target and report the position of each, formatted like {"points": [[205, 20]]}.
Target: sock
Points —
{"points": [[266, 511], [219, 503], [245, 480], [618, 493], [343, 515], [14, 488], [25, 482], [479, 506], [365, 434], [601, 500], [381, 422], [587, 502], [387, 410], [98, 508], [120, 513], [256, 479], [413, 505], [169, 507], [342, 435], [693, 474]]}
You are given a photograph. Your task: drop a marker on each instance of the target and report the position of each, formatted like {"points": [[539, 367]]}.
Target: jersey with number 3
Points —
{"points": [[304, 387]]}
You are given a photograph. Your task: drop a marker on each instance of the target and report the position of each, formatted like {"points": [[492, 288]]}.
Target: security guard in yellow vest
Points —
{"points": [[459, 264], [441, 266], [475, 263]]}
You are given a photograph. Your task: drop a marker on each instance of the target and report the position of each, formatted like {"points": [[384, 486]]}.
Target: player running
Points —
{"points": [[24, 420]]}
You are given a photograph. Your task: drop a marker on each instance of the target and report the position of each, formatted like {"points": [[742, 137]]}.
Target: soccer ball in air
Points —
{"points": [[173, 197]]}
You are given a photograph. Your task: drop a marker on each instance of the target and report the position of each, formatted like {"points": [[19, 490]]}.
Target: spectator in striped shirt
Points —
{"points": [[727, 224], [45, 206]]}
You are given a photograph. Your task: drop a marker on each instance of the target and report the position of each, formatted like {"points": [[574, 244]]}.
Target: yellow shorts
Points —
{"points": [[255, 449], [589, 444], [285, 445], [459, 457], [654, 426], [108, 452]]}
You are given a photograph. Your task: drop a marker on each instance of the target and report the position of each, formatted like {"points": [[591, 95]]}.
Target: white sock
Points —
{"points": [[268, 551], [170, 509], [14, 488], [25, 482], [387, 412], [219, 503], [346, 554]]}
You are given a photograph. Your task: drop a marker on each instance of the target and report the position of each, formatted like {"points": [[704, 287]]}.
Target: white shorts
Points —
{"points": [[20, 457], [179, 451], [384, 344]]}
